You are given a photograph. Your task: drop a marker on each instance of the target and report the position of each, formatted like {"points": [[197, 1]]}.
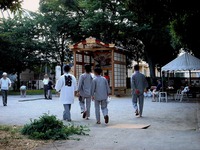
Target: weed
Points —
{"points": [[49, 127]]}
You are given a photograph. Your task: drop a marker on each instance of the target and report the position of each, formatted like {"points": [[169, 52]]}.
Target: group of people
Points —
{"points": [[96, 88], [5, 84], [48, 87], [90, 88]]}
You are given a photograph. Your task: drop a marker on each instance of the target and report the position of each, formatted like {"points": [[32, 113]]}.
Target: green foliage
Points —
{"points": [[163, 26], [13, 5], [13, 130], [5, 128], [30, 92], [49, 127], [19, 49]]}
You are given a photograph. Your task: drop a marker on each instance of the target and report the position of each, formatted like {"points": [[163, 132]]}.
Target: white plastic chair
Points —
{"points": [[180, 95], [162, 95]]}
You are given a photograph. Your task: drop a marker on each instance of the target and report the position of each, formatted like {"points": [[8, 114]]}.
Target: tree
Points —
{"points": [[106, 20], [12, 5], [156, 37], [20, 49], [58, 25], [184, 27], [178, 18]]}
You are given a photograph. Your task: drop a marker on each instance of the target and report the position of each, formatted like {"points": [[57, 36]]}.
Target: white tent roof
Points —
{"points": [[183, 62]]}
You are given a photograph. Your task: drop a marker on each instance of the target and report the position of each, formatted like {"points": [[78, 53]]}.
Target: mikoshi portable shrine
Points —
{"points": [[111, 58]]}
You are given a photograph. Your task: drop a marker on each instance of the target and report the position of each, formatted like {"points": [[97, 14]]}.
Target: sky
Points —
{"points": [[31, 5]]}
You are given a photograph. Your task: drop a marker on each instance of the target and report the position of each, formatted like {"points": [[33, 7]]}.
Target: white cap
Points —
{"points": [[4, 74]]}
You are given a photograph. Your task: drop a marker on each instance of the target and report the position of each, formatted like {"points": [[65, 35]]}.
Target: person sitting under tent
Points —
{"points": [[156, 90], [148, 93], [186, 90]]}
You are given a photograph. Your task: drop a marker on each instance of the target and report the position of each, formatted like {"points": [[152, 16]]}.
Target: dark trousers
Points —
{"points": [[49, 94], [4, 96], [45, 91]]}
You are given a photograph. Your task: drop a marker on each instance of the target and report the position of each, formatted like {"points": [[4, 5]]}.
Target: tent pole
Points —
{"points": [[162, 82], [190, 76]]}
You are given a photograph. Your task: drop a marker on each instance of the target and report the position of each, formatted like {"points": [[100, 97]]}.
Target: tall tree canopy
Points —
{"points": [[12, 5], [59, 26], [172, 25], [148, 29], [19, 47]]}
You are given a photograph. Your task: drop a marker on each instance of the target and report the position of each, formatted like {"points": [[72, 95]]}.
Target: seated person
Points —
{"points": [[148, 93], [156, 90], [186, 89]]}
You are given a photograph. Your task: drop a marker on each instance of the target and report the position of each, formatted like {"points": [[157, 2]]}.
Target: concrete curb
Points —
{"points": [[24, 100]]}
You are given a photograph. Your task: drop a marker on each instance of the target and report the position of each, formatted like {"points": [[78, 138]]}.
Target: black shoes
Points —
{"points": [[136, 113], [106, 119], [98, 122], [84, 114]]}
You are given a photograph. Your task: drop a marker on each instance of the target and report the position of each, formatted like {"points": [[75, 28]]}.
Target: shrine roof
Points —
{"points": [[93, 43]]}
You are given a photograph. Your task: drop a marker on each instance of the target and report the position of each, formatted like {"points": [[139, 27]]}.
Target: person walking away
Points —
{"points": [[66, 85], [23, 90], [138, 87], [5, 84], [50, 88], [84, 91], [45, 82], [100, 91]]}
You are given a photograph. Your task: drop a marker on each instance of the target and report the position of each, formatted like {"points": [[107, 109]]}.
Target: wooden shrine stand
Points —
{"points": [[111, 59]]}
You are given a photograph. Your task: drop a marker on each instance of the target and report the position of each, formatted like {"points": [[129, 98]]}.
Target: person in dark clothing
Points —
{"points": [[50, 88]]}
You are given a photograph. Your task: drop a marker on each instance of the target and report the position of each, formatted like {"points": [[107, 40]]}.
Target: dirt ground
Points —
{"points": [[174, 126], [15, 141]]}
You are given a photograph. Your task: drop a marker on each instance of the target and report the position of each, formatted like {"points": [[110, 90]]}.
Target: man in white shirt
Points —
{"points": [[45, 82], [66, 85], [5, 83]]}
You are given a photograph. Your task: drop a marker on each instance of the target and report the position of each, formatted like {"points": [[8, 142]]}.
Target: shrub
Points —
{"points": [[49, 127]]}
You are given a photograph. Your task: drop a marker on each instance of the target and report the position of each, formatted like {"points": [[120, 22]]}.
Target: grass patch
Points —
{"points": [[48, 127], [39, 132], [30, 92], [11, 138]]}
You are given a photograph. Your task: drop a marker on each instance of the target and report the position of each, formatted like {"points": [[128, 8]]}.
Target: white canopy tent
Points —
{"points": [[185, 62]]}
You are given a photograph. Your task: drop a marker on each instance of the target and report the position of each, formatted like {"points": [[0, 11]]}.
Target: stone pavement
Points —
{"points": [[174, 125]]}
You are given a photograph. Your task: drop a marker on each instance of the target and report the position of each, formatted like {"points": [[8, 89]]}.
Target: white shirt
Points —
{"points": [[5, 83], [186, 89], [45, 81], [66, 92], [23, 87]]}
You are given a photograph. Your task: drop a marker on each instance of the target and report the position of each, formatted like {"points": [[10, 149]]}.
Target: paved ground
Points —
{"points": [[174, 125]]}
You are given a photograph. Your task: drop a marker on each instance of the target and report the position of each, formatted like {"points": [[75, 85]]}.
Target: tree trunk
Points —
{"points": [[18, 80], [152, 69], [61, 66]]}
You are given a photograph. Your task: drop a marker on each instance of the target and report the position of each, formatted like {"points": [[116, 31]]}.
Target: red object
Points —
{"points": [[137, 92], [107, 77]]}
